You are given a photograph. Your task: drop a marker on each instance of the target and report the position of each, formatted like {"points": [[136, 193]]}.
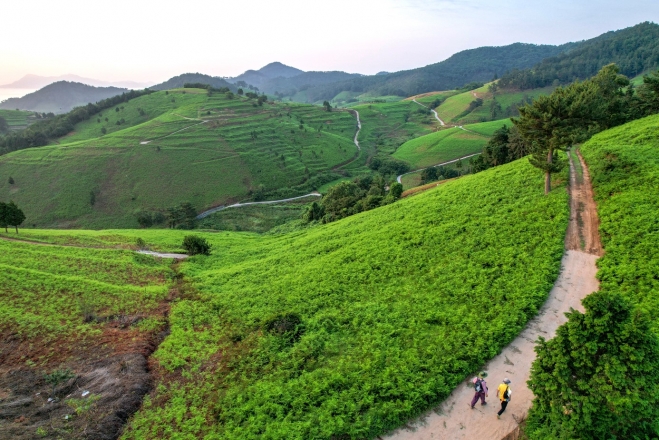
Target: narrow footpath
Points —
{"points": [[433, 111], [454, 419]]}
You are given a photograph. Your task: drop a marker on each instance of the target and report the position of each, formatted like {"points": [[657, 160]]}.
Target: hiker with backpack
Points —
{"points": [[504, 392], [480, 387]]}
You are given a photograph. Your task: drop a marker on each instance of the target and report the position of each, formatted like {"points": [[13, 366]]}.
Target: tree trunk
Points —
{"points": [[16, 226], [550, 157]]}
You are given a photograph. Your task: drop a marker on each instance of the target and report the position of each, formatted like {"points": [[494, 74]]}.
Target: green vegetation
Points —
{"points": [[195, 245], [611, 361], [441, 146], [348, 329], [598, 377], [624, 168], [57, 293], [255, 218], [17, 119], [205, 150], [634, 50]]}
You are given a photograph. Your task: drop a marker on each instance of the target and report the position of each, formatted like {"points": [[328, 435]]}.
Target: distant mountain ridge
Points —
{"points": [[37, 82], [60, 97], [180, 80]]}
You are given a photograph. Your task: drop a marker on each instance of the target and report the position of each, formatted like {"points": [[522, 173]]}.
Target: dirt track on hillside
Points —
{"points": [[454, 419]]}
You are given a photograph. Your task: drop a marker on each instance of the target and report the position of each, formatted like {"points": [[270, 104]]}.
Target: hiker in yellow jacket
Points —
{"points": [[504, 392]]}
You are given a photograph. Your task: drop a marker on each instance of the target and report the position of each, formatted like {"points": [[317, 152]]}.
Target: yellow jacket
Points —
{"points": [[501, 390]]}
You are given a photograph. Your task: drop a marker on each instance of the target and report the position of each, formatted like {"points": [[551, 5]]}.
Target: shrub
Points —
{"points": [[196, 245]]}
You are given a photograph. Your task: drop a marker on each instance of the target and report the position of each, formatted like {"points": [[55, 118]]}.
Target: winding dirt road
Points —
{"points": [[398, 179], [267, 202], [454, 419], [433, 111]]}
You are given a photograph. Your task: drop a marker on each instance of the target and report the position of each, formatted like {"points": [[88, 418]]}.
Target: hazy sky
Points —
{"points": [[154, 40]]}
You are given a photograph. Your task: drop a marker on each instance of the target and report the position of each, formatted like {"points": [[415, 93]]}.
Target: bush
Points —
{"points": [[196, 245]]}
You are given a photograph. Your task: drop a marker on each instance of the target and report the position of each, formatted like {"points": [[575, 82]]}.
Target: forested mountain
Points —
{"points": [[61, 97], [481, 64], [265, 73], [634, 50], [37, 82], [180, 80], [289, 86]]}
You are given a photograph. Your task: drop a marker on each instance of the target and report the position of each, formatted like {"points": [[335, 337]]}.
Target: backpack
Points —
{"points": [[478, 386], [506, 394]]}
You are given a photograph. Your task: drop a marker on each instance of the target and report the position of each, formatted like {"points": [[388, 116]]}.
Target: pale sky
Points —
{"points": [[152, 41]]}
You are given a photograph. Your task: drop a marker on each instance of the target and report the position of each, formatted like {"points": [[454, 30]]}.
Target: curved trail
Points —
{"points": [[433, 111], [398, 179], [359, 128], [454, 419], [267, 202]]}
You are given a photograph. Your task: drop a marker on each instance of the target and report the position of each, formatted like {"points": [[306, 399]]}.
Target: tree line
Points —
{"points": [[570, 115], [41, 132]]}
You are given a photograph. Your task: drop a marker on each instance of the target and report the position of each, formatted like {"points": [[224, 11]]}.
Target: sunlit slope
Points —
{"points": [[346, 330], [447, 144], [210, 151], [624, 169]]}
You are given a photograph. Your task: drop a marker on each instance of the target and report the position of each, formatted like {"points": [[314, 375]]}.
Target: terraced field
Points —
{"points": [[207, 150], [17, 119]]}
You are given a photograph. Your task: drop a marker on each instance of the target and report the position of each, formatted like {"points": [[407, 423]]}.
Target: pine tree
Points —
{"points": [[598, 378]]}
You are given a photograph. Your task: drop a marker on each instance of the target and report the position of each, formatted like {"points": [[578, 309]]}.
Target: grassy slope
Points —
{"points": [[45, 288], [17, 118], [450, 110], [207, 164], [447, 144], [399, 304], [386, 126], [624, 168], [428, 98]]}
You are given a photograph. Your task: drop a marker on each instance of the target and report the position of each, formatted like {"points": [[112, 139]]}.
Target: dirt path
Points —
{"points": [[398, 179], [433, 111], [267, 202], [173, 133], [454, 419]]}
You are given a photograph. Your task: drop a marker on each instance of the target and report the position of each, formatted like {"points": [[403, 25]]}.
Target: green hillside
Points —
{"points": [[392, 308], [624, 169], [441, 146], [185, 146], [17, 119]]}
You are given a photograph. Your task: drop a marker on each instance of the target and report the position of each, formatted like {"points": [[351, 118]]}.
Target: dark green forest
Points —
{"points": [[634, 50]]}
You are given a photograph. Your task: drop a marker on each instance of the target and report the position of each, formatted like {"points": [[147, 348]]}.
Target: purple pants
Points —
{"points": [[476, 397]]}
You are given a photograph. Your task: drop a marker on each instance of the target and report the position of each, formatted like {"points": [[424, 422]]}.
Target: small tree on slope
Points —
{"points": [[599, 377]]}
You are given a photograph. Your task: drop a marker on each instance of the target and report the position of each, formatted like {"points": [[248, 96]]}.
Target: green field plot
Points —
{"points": [[209, 151], [488, 128], [17, 119], [349, 329], [48, 289], [256, 218], [624, 169], [429, 98], [441, 146], [385, 126], [453, 107]]}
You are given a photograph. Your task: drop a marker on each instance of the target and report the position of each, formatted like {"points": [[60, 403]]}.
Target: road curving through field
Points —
{"points": [[454, 419], [399, 178], [433, 111], [267, 202]]}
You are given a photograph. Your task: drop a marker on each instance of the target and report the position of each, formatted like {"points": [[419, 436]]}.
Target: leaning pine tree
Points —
{"points": [[599, 377]]}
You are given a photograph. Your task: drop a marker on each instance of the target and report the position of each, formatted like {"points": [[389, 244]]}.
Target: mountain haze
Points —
{"points": [[37, 82], [60, 97]]}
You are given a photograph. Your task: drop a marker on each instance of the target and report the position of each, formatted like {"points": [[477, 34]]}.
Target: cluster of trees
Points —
{"points": [[4, 127], [180, 217], [210, 88], [348, 198], [388, 166], [11, 215], [504, 146], [572, 114], [633, 50], [39, 133], [433, 174]]}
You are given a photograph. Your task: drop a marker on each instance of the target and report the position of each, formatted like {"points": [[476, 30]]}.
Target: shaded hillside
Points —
{"points": [[634, 50], [37, 81], [480, 65], [60, 97], [199, 78], [265, 73], [301, 82]]}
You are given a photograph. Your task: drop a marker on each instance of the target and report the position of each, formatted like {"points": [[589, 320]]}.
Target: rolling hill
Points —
{"points": [[60, 97], [342, 330], [182, 145], [199, 78]]}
